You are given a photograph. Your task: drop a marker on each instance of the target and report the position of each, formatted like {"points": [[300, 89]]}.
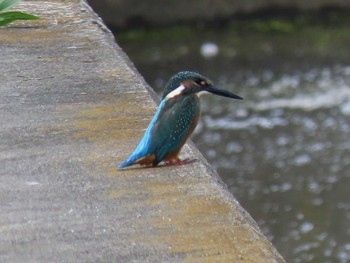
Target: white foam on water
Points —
{"points": [[308, 102]]}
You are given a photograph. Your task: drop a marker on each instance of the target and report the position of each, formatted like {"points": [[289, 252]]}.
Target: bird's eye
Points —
{"points": [[202, 82]]}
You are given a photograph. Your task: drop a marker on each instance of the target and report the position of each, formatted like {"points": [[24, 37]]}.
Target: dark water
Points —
{"points": [[284, 151]]}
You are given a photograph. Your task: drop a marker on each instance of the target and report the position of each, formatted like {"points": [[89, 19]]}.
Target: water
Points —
{"points": [[287, 159], [284, 151]]}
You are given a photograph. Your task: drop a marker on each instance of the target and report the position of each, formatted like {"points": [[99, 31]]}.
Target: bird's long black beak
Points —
{"points": [[221, 92]]}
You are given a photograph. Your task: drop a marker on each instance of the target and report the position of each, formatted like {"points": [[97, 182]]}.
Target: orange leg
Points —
{"points": [[176, 162], [173, 159]]}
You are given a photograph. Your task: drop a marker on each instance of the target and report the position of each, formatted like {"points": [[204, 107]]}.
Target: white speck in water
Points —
{"points": [[317, 202], [242, 113], [302, 160], [233, 147], [309, 124], [310, 75], [316, 147], [306, 227], [329, 122], [211, 153], [253, 81], [340, 96], [209, 49], [345, 108], [315, 187], [282, 140], [286, 187], [274, 188], [267, 75], [346, 70], [331, 179], [344, 253], [300, 216]]}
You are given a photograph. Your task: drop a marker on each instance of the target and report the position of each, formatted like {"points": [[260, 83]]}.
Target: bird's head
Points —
{"points": [[187, 82]]}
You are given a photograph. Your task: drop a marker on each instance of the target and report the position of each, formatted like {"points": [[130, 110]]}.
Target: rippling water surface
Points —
{"points": [[286, 156], [284, 151]]}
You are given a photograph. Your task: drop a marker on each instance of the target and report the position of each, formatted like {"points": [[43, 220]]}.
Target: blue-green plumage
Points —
{"points": [[174, 121]]}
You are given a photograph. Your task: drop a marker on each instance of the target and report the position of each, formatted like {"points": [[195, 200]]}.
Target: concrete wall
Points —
{"points": [[72, 107]]}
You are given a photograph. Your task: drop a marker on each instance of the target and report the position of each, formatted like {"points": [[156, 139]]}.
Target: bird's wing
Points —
{"points": [[174, 123], [167, 131]]}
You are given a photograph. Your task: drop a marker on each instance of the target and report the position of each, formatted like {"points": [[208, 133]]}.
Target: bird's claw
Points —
{"points": [[177, 162]]}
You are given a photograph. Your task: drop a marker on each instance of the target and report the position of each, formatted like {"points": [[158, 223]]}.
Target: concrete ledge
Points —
{"points": [[72, 107]]}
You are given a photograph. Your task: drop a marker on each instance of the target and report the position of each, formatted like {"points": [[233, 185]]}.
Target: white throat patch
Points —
{"points": [[175, 92]]}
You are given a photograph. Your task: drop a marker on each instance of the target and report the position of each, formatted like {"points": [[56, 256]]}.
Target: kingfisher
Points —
{"points": [[174, 121]]}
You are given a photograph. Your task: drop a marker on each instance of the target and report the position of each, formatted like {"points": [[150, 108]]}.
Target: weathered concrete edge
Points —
{"points": [[190, 146]]}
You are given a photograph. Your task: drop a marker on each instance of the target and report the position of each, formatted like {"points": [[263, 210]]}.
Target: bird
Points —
{"points": [[174, 121]]}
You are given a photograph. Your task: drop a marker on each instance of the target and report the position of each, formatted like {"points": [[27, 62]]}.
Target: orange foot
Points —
{"points": [[176, 162]]}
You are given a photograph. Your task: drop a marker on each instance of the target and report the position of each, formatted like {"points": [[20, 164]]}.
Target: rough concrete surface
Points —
{"points": [[72, 107]]}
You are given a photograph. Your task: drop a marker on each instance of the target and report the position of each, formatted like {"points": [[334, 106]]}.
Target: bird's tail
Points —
{"points": [[128, 162], [139, 159]]}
